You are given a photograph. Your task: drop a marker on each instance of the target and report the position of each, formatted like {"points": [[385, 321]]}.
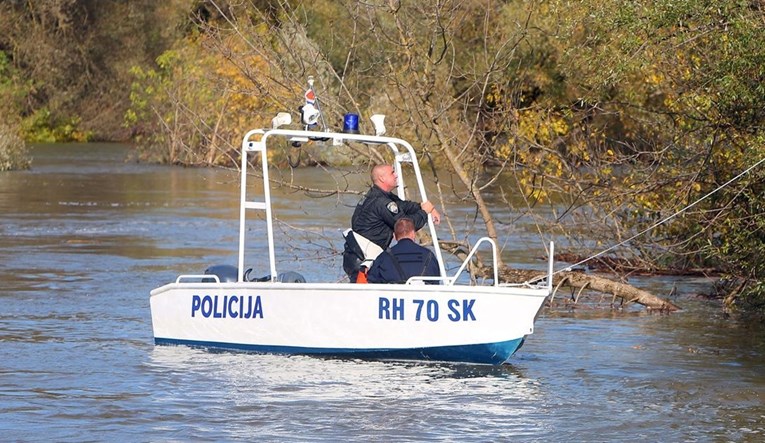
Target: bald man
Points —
{"points": [[376, 214]]}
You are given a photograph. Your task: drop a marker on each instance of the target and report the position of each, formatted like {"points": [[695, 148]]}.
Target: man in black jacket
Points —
{"points": [[404, 260], [376, 214]]}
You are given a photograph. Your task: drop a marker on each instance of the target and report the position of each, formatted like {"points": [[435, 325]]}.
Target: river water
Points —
{"points": [[84, 237]]}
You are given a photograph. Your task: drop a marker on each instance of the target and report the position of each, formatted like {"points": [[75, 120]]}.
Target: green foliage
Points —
{"points": [[12, 88], [740, 240], [682, 82], [43, 127], [40, 125], [751, 301], [69, 61], [153, 98], [13, 150], [193, 106], [5, 68]]}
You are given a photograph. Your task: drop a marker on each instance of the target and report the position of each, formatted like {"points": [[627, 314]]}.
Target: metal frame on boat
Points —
{"points": [[447, 321]]}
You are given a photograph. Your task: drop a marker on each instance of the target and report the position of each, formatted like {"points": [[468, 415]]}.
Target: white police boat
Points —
{"points": [[450, 321]]}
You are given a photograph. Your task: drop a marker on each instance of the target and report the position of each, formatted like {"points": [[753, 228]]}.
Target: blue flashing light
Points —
{"points": [[351, 124]]}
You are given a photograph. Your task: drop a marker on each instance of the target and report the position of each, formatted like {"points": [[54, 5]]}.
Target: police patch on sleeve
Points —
{"points": [[393, 207]]}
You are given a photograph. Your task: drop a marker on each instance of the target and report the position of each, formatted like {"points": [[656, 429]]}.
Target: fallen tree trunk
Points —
{"points": [[574, 279], [581, 281]]}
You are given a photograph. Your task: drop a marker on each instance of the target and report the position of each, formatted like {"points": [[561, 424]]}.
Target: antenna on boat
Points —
{"points": [[310, 112]]}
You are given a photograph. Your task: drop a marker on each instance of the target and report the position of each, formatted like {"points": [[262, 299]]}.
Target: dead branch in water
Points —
{"points": [[573, 279]]}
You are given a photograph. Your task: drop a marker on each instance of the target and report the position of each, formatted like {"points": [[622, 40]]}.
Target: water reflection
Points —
{"points": [[381, 400]]}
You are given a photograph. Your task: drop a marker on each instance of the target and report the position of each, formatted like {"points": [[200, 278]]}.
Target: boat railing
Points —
{"points": [[450, 281], [538, 281], [255, 142]]}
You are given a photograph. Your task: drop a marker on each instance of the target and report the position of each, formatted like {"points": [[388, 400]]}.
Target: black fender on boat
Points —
{"points": [[228, 273], [225, 273]]}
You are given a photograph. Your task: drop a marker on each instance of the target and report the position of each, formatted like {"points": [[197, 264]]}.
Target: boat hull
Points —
{"points": [[488, 353], [411, 322]]}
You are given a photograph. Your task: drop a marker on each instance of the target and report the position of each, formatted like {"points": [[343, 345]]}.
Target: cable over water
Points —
{"points": [[659, 223]]}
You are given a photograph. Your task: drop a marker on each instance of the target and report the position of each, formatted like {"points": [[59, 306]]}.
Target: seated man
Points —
{"points": [[405, 259]]}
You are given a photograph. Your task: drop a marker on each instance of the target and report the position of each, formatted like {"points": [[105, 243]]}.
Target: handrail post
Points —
{"points": [[551, 261], [470, 255], [243, 197]]}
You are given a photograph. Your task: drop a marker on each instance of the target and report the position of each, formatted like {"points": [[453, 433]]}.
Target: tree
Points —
{"points": [[681, 82], [616, 115], [13, 151], [73, 58]]}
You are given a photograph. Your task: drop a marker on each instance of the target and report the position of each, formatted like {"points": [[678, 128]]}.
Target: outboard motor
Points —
{"points": [[290, 277], [225, 273]]}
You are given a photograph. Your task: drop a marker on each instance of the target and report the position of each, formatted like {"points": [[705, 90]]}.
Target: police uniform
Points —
{"points": [[404, 260], [378, 211], [374, 218]]}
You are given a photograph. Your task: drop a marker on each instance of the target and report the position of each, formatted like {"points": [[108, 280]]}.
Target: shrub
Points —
{"points": [[13, 150]]}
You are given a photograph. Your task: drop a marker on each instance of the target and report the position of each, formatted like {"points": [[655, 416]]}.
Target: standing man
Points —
{"points": [[375, 215], [404, 260]]}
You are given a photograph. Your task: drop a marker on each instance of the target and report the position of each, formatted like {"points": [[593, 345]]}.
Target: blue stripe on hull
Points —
{"points": [[487, 353]]}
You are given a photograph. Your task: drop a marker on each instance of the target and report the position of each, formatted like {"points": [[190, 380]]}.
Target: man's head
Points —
{"points": [[384, 176], [404, 228]]}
